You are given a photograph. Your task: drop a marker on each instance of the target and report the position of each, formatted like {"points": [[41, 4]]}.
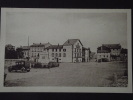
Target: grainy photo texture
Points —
{"points": [[65, 49]]}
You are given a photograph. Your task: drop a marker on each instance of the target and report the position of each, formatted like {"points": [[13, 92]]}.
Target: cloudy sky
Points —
{"points": [[93, 29]]}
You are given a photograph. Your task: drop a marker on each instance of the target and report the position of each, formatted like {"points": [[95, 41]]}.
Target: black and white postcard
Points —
{"points": [[65, 50]]}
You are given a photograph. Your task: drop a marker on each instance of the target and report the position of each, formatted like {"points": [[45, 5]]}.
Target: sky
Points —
{"points": [[93, 29]]}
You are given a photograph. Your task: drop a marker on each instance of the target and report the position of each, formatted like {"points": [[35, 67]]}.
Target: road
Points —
{"points": [[91, 74]]}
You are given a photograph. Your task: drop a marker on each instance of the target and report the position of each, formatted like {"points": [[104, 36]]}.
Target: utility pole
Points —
{"points": [[28, 48]]}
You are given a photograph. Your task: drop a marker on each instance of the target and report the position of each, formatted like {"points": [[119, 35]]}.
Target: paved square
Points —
{"points": [[91, 74]]}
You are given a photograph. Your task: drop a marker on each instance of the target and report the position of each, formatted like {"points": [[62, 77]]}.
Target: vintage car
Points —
{"points": [[53, 64], [20, 65]]}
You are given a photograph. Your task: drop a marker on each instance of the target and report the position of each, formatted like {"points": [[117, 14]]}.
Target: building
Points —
{"points": [[115, 51], [85, 54], [73, 50], [36, 49], [123, 55], [70, 51], [25, 50], [103, 52], [56, 53]]}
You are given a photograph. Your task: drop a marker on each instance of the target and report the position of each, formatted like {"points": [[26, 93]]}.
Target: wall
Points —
{"points": [[103, 55], [10, 62], [77, 52], [68, 52]]}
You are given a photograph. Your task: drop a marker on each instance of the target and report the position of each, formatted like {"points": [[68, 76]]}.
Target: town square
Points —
{"points": [[65, 48]]}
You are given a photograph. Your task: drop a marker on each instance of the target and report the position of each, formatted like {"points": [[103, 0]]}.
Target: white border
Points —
{"points": [[66, 89]]}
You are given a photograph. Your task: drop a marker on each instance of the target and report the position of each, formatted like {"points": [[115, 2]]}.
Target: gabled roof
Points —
{"points": [[113, 46], [55, 47], [39, 44], [103, 49], [71, 42]]}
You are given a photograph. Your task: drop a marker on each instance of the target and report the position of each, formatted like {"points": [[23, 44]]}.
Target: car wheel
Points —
{"points": [[23, 69], [28, 70]]}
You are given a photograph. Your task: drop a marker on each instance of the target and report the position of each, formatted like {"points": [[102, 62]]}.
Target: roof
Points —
{"points": [[39, 44], [85, 48], [103, 49], [113, 46], [71, 42], [55, 47]]}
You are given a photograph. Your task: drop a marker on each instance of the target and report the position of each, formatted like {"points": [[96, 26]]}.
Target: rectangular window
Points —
{"points": [[59, 50], [53, 50], [56, 50], [52, 54], [75, 49], [56, 55], [64, 54], [75, 54], [59, 54], [64, 50]]}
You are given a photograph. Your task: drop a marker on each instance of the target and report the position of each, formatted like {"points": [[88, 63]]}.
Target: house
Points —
{"points": [[70, 51], [25, 50], [115, 51], [36, 49], [103, 52], [56, 53], [73, 50]]}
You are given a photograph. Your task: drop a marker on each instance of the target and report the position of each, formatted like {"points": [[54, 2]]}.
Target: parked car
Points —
{"points": [[37, 65], [53, 64], [103, 60], [20, 65]]}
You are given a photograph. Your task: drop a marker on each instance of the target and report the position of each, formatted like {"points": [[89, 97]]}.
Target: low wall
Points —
{"points": [[10, 62]]}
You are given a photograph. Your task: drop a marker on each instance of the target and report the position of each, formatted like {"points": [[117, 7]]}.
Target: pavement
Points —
{"points": [[90, 74]]}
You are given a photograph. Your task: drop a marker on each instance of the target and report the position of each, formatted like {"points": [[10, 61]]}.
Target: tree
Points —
{"points": [[20, 53], [10, 53]]}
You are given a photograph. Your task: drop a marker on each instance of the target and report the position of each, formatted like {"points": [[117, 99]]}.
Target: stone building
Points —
{"points": [[36, 49], [73, 50], [115, 51], [103, 52], [25, 50]]}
